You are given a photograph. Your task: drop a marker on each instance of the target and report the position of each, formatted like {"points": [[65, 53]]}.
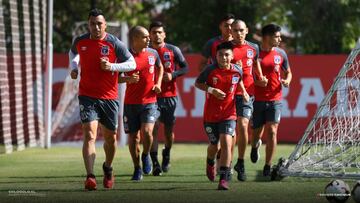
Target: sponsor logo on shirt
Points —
{"points": [[167, 64], [250, 53], [167, 55], [249, 62], [83, 48], [151, 69], [277, 59], [105, 50], [151, 60]]}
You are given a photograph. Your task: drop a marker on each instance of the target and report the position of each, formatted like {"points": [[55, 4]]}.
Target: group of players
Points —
{"points": [[234, 95]]}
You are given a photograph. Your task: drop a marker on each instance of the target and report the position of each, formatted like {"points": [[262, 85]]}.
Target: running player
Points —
{"points": [[220, 81], [245, 56], [209, 50], [267, 105], [209, 53], [140, 108], [175, 66], [100, 56]]}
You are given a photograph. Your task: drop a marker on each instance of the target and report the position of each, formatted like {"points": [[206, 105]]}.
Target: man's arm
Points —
{"points": [[125, 61], [134, 78], [285, 81], [201, 84], [242, 89], [287, 77], [259, 79], [126, 66], [159, 73], [181, 61]]}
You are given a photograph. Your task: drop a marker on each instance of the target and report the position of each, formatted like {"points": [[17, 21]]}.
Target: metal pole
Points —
{"points": [[49, 75]]}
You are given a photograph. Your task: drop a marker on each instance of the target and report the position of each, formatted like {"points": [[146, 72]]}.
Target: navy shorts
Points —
{"points": [[166, 109], [266, 112], [104, 110], [213, 130], [244, 109], [136, 114]]}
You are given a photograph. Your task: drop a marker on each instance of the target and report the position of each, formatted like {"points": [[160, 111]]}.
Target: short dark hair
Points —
{"points": [[224, 45], [95, 12], [227, 17], [270, 29], [156, 24]]}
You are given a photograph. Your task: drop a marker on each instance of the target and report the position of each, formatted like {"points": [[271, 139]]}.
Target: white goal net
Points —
{"points": [[330, 146]]}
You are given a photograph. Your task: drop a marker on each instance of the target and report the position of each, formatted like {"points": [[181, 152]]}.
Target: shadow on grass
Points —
{"points": [[260, 178]]}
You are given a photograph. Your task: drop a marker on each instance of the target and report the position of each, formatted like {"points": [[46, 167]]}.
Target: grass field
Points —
{"points": [[57, 175]]}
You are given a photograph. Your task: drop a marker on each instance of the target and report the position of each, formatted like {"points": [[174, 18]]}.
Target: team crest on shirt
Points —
{"points": [[167, 64], [250, 53], [151, 60], [215, 79], [249, 62], [166, 55], [277, 59], [235, 79], [105, 50]]}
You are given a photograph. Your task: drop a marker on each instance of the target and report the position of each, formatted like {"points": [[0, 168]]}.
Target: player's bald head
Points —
{"points": [[238, 22], [137, 31]]}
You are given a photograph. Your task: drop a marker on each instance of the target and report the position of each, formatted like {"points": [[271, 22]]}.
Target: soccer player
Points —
{"points": [[100, 56], [140, 108], [267, 105], [209, 50], [245, 56], [175, 66], [220, 81]]}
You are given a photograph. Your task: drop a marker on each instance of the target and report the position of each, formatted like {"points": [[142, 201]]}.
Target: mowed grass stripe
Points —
{"points": [[57, 175]]}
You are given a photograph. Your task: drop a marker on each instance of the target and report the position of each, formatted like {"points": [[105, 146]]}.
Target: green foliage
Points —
{"points": [[67, 13], [325, 26], [316, 27]]}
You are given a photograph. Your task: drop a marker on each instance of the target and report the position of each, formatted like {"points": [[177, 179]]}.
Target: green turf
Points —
{"points": [[57, 175]]}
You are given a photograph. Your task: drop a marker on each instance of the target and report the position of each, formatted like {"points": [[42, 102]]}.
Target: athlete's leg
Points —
{"points": [[109, 145], [155, 144], [89, 152], [147, 132], [271, 141], [169, 135], [225, 145], [257, 135], [243, 135], [134, 148]]}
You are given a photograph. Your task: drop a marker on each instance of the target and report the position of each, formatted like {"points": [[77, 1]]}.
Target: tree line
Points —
{"points": [[310, 27]]}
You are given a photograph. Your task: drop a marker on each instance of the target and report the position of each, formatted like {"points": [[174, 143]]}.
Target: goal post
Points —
{"points": [[22, 66], [330, 146]]}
